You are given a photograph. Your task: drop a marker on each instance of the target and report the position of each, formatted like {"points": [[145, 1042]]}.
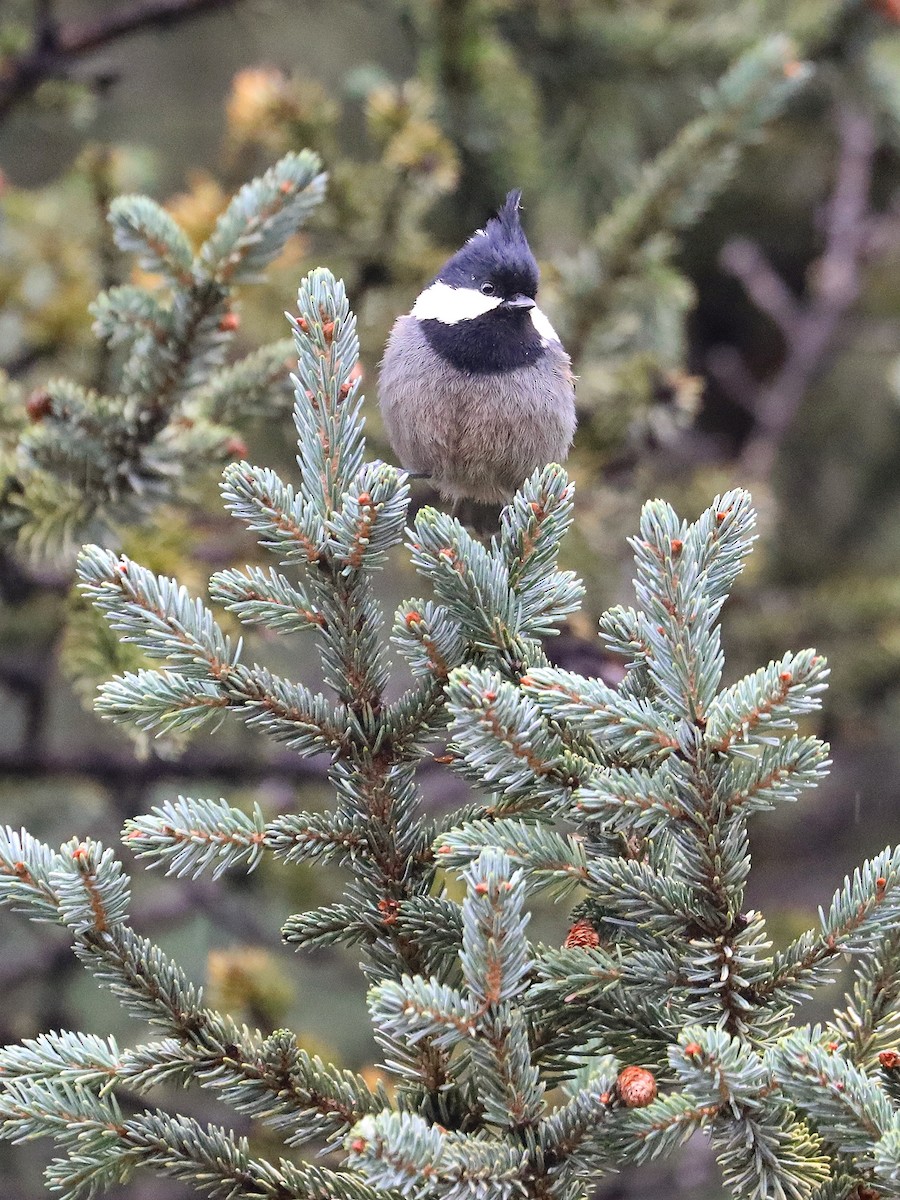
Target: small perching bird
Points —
{"points": [[476, 388]]}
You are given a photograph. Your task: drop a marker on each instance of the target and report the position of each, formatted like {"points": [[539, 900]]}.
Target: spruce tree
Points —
{"points": [[665, 1011]]}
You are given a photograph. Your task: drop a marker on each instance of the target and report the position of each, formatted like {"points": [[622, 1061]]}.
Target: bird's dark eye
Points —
{"points": [[487, 288]]}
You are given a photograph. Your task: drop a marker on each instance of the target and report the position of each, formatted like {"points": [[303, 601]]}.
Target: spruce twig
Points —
{"points": [[91, 462]]}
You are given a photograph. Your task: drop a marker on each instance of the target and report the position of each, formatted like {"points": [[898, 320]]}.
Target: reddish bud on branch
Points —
{"points": [[39, 405]]}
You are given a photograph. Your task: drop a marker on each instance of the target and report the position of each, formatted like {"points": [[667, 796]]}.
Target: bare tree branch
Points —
{"points": [[113, 770], [55, 48], [727, 366], [765, 287], [808, 327]]}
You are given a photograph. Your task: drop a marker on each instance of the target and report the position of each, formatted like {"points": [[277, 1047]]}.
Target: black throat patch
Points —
{"points": [[500, 340]]}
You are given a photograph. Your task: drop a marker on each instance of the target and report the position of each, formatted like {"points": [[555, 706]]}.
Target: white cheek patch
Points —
{"points": [[542, 325], [440, 302]]}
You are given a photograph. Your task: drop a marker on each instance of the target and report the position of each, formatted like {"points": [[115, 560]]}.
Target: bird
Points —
{"points": [[475, 388]]}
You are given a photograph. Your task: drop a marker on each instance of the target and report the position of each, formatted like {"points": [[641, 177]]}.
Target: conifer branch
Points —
{"points": [[308, 837], [275, 1080], [189, 835], [549, 859], [639, 796], [864, 908], [624, 728], [752, 1144], [265, 598], [89, 462], [870, 1022], [770, 699], [500, 733], [247, 387], [851, 1111], [397, 1150]]}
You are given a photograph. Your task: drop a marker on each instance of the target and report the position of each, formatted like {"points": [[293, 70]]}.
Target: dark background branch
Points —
{"points": [[808, 326], [114, 770], [56, 48]]}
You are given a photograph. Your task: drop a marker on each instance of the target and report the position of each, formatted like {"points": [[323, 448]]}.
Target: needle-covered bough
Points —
{"points": [[86, 462], [513, 1069]]}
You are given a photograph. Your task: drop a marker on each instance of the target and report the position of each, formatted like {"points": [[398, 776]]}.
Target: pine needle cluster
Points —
{"points": [[518, 1069], [90, 461]]}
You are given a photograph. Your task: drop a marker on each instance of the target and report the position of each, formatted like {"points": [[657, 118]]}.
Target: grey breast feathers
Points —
{"points": [[475, 435]]}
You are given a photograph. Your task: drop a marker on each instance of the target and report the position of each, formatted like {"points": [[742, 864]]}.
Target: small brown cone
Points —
{"points": [[862, 1191], [582, 934], [636, 1087]]}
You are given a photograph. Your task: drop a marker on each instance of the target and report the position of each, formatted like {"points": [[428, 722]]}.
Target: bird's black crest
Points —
{"points": [[507, 223], [499, 252]]}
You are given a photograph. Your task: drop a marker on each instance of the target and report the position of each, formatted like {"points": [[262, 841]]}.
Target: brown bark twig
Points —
{"points": [[56, 48]]}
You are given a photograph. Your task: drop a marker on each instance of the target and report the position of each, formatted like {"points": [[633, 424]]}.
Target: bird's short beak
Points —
{"points": [[519, 302]]}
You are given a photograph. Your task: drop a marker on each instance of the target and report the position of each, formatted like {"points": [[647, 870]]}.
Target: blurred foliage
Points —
{"points": [[248, 984]]}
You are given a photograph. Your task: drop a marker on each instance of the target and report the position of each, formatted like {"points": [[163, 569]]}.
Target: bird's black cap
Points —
{"points": [[499, 253]]}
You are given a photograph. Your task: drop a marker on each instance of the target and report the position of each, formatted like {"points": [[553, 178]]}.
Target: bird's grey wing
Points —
{"points": [[415, 400]]}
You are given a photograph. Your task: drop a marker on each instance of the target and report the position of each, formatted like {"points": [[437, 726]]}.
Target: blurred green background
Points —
{"points": [[753, 339]]}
